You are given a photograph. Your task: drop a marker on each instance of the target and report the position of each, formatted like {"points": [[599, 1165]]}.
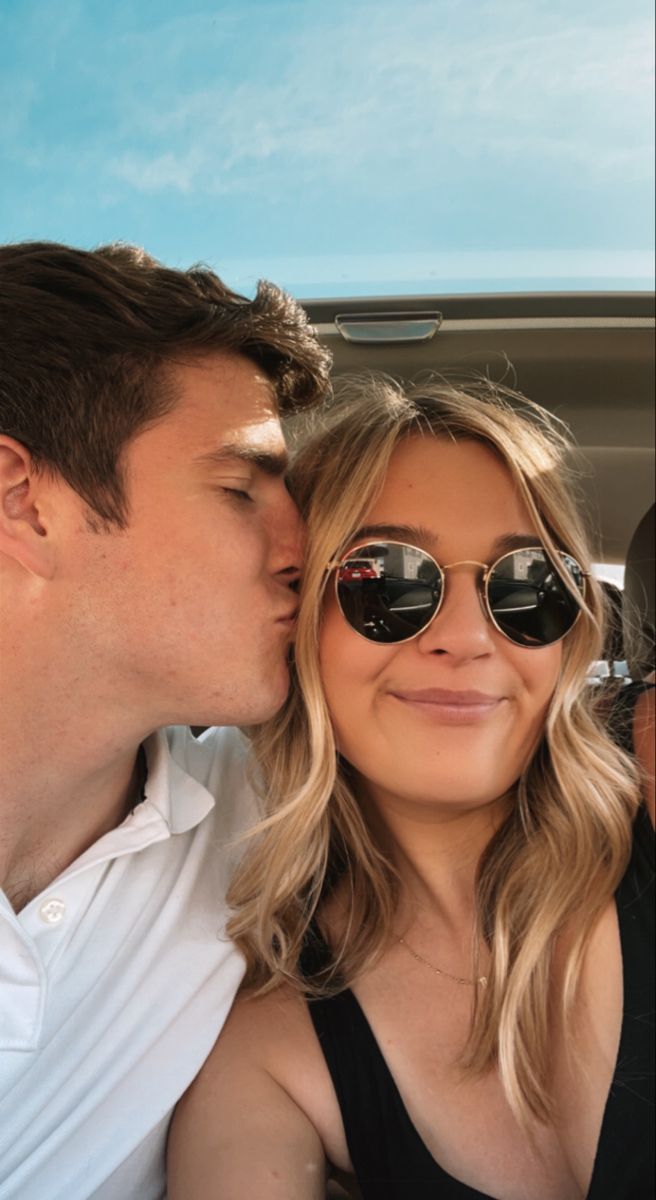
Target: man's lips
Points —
{"points": [[445, 704], [289, 617]]}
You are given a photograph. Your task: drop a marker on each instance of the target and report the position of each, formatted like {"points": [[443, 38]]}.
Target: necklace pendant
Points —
{"points": [[483, 981]]}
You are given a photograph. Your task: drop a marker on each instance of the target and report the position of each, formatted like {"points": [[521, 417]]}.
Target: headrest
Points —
{"points": [[639, 590], [613, 649]]}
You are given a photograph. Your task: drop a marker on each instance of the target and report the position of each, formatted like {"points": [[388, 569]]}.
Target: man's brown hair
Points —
{"points": [[86, 339]]}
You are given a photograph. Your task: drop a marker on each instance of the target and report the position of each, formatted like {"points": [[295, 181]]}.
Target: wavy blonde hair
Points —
{"points": [[570, 825]]}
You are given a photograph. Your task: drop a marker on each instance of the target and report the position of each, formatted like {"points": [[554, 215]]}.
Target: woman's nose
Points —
{"points": [[461, 628]]}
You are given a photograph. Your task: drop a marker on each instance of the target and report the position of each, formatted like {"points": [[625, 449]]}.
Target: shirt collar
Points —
{"points": [[174, 803], [179, 799]]}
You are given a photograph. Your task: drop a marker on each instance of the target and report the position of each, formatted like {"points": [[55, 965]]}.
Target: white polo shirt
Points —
{"points": [[115, 982]]}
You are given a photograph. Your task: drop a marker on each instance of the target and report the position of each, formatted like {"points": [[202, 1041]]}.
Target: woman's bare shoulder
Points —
{"points": [[268, 1043], [264, 1029]]}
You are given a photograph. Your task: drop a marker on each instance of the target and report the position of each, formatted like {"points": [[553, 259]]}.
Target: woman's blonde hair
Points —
{"points": [[570, 825]]}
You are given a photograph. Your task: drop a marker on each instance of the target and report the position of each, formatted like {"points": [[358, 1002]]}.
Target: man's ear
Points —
{"points": [[25, 535]]}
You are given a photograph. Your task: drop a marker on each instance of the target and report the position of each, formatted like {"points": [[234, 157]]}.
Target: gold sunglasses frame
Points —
{"points": [[487, 569]]}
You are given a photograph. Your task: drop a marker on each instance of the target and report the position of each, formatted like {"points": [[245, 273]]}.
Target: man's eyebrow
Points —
{"points": [[273, 463]]}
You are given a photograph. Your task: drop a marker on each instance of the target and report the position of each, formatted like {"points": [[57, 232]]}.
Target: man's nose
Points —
{"points": [[289, 539]]}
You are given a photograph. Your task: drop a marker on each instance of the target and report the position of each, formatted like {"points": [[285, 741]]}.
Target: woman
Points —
{"points": [[452, 868]]}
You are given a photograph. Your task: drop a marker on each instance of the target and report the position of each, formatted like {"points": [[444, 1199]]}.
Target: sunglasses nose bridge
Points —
{"points": [[466, 562], [481, 581], [481, 588]]}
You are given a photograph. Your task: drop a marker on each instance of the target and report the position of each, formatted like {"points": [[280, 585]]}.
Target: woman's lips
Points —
{"points": [[450, 707]]}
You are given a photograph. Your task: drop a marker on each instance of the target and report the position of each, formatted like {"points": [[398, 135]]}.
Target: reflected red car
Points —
{"points": [[355, 570]]}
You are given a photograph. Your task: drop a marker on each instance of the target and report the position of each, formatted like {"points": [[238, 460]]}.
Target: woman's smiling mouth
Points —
{"points": [[450, 707]]}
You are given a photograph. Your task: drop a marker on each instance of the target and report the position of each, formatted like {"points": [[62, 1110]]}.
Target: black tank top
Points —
{"points": [[390, 1160]]}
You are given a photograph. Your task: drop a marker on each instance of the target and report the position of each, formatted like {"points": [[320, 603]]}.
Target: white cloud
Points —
{"points": [[381, 91], [162, 172]]}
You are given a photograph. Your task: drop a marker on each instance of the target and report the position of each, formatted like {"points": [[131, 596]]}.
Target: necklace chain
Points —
{"points": [[480, 982]]}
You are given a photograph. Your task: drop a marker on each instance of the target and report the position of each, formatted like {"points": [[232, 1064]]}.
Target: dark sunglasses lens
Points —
{"points": [[387, 591], [529, 600]]}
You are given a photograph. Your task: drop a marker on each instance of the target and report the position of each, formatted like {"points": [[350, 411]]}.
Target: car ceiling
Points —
{"points": [[588, 358]]}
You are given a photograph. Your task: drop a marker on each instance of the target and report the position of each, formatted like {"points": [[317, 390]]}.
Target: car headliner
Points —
{"points": [[588, 357]]}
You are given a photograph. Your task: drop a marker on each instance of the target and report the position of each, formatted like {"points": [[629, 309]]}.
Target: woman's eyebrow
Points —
{"points": [[420, 535], [273, 463], [515, 541], [414, 534]]}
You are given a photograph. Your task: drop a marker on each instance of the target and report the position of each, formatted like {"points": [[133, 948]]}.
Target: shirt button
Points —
{"points": [[52, 910]]}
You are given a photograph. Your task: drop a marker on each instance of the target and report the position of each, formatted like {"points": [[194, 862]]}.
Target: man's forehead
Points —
{"points": [[230, 399], [221, 373]]}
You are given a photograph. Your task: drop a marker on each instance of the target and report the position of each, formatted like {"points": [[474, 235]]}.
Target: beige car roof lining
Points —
{"points": [[587, 358]]}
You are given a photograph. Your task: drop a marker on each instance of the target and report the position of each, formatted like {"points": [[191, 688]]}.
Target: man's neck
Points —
{"points": [[68, 775]]}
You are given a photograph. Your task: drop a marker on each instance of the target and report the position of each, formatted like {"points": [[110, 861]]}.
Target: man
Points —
{"points": [[148, 556]]}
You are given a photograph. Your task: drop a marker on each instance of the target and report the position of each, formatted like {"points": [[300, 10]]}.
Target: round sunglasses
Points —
{"points": [[390, 592]]}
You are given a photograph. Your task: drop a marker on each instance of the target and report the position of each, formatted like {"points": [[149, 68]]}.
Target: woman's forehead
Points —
{"points": [[448, 487], [447, 466]]}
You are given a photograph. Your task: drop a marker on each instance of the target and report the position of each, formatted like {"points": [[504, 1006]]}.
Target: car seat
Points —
{"points": [[638, 604]]}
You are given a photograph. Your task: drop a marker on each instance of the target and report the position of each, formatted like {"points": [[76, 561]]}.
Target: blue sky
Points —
{"points": [[423, 146]]}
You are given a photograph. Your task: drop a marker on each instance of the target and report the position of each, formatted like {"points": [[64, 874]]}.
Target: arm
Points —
{"points": [[237, 1133]]}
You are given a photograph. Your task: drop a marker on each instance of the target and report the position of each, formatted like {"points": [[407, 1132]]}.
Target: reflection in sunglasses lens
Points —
{"points": [[528, 600], [389, 592]]}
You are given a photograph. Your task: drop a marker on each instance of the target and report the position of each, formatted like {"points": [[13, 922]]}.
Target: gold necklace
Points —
{"points": [[481, 981]]}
